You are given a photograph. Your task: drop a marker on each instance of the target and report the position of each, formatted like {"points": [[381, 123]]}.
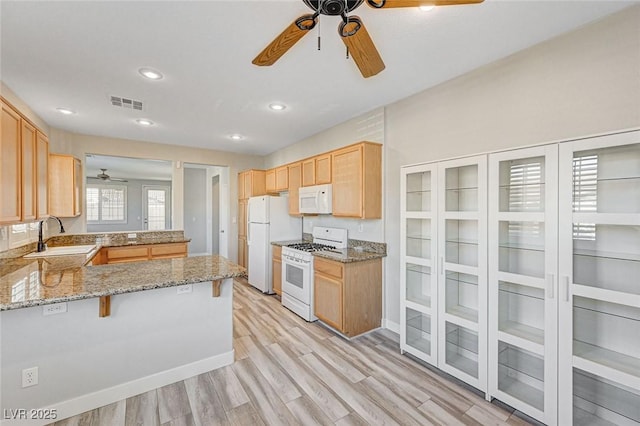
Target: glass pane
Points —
{"points": [[608, 258], [419, 284], [522, 185], [607, 333], [419, 238], [521, 311], [521, 249], [462, 242], [462, 188], [93, 203], [607, 180], [113, 204], [419, 331], [462, 295], [156, 209], [419, 192], [521, 375], [462, 349], [598, 401]]}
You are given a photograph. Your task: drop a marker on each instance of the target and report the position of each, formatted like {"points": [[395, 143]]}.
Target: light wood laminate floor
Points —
{"points": [[290, 372]]}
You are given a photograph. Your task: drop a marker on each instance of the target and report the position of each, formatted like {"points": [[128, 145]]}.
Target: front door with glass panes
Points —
{"points": [[522, 274], [156, 204], [599, 299], [418, 287], [462, 271]]}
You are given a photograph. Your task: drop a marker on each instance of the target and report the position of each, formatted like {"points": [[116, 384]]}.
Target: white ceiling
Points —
{"points": [[127, 168], [76, 54]]}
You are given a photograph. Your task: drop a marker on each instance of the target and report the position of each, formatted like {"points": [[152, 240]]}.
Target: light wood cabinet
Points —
{"points": [[65, 185], [282, 179], [295, 179], [251, 183], [348, 296], [23, 188], [243, 252], [357, 181], [316, 170], [28, 172], [270, 181], [42, 175], [140, 252], [242, 218], [277, 269]]}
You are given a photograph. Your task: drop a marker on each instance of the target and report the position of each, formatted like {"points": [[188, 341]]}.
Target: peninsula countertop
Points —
{"points": [[41, 281]]}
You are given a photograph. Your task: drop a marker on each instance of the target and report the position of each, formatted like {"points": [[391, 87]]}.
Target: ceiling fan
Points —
{"points": [[105, 177], [352, 31]]}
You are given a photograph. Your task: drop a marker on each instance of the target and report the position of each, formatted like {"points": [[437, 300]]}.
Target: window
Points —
{"points": [[106, 204]]}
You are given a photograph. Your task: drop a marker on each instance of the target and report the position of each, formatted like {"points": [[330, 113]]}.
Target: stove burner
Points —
{"points": [[310, 247]]}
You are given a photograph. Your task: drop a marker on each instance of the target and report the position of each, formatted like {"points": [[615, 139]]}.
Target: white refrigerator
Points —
{"points": [[268, 220]]}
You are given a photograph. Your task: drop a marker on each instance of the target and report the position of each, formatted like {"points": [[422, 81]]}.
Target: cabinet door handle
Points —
{"points": [[551, 284], [565, 280]]}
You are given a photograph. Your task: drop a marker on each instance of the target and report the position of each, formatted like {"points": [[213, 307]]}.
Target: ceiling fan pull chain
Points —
{"points": [[347, 52], [319, 33]]}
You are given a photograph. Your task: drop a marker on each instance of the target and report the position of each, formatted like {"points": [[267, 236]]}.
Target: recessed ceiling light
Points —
{"points": [[144, 122], [150, 73], [426, 8], [236, 137], [277, 107], [65, 111]]}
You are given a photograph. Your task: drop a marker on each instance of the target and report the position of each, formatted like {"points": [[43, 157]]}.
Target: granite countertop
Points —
{"points": [[358, 251], [42, 281]]}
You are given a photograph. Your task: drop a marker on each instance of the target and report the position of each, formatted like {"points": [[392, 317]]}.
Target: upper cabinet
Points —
{"points": [[357, 181], [295, 179], [282, 179], [65, 185], [10, 176], [23, 188], [316, 170], [270, 181], [251, 183]]}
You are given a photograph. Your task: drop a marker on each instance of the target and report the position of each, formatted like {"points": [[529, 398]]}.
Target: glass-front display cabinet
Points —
{"points": [[599, 293], [522, 279]]}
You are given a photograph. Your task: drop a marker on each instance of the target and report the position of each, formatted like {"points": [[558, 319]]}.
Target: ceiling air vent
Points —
{"points": [[126, 103]]}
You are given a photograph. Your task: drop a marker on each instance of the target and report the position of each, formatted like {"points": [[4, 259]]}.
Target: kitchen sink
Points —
{"points": [[63, 251]]}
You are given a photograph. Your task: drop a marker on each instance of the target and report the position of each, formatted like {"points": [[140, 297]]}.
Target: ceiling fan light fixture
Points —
{"points": [[236, 137], [277, 107], [65, 111], [151, 74], [144, 122]]}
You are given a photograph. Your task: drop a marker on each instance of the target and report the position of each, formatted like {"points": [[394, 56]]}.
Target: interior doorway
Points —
{"points": [[215, 214]]}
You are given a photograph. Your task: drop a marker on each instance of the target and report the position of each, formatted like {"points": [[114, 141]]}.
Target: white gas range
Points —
{"points": [[297, 269]]}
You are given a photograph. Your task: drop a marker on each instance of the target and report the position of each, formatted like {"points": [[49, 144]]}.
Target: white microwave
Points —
{"points": [[315, 199]]}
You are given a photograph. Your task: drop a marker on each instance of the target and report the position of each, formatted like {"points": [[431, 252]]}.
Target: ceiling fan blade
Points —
{"points": [[118, 180], [361, 47], [378, 4], [290, 36]]}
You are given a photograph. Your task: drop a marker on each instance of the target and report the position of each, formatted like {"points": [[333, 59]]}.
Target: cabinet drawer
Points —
{"points": [[328, 267], [168, 250], [123, 253]]}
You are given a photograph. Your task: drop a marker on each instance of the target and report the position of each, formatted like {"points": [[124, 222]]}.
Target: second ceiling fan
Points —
{"points": [[352, 31]]}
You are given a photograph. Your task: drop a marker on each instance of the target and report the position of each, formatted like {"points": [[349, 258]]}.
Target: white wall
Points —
{"points": [[195, 210]]}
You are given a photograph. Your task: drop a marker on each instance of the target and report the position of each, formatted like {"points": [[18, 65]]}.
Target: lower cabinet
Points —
{"points": [[348, 296], [277, 269], [243, 252], [137, 253]]}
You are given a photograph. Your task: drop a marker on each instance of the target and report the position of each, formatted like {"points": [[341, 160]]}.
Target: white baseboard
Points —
{"points": [[73, 407], [390, 325]]}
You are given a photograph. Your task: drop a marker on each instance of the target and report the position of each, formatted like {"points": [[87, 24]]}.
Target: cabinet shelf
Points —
{"points": [[418, 331], [607, 363], [533, 335], [463, 316], [521, 375], [515, 246], [629, 257]]}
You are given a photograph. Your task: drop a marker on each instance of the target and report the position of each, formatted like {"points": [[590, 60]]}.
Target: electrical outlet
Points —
{"points": [[29, 377], [56, 308], [131, 236], [360, 227], [184, 289]]}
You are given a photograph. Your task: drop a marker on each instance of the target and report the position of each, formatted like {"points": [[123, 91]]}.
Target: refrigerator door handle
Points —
{"points": [[247, 222]]}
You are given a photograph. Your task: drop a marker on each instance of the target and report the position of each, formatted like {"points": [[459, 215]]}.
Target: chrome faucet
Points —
{"points": [[41, 245]]}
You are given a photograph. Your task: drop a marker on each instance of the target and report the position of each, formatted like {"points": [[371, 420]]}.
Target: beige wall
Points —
{"points": [[582, 83]]}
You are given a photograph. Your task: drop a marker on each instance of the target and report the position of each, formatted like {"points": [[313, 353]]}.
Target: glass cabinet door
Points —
{"points": [[522, 272], [462, 269], [600, 287], [417, 253]]}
